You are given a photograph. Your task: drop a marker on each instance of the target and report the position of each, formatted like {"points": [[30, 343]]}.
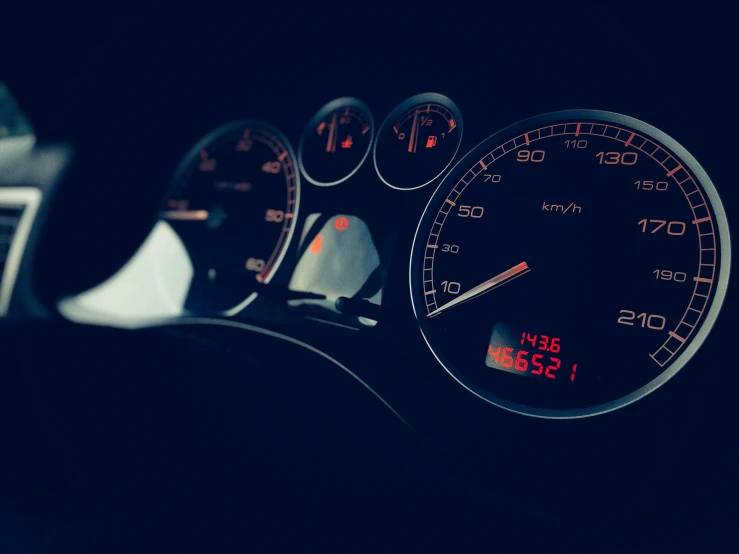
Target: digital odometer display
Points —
{"points": [[590, 225], [522, 353]]}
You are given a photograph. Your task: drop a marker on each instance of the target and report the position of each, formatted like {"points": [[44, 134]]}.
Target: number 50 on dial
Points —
{"points": [[516, 233]]}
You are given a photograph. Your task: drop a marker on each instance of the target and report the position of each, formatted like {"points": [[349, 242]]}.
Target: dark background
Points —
{"points": [[133, 91]]}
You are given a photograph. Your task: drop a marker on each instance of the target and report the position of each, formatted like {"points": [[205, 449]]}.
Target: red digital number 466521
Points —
{"points": [[509, 357]]}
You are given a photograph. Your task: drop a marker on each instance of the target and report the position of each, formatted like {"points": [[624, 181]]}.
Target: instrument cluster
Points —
{"points": [[497, 255], [609, 238], [234, 201]]}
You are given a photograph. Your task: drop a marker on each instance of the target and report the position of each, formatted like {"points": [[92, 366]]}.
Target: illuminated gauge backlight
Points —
{"points": [[233, 202], [529, 355], [585, 249], [336, 141], [418, 141]]}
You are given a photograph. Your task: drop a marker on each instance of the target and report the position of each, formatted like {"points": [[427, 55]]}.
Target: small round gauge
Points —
{"points": [[570, 264], [233, 202], [418, 141], [336, 142]]}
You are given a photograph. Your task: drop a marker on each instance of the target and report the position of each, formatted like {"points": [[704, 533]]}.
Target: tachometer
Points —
{"points": [[233, 202], [585, 251]]}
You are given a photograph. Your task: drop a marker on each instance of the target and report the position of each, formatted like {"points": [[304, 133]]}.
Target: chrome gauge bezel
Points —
{"points": [[203, 143], [409, 104], [333, 106], [722, 230]]}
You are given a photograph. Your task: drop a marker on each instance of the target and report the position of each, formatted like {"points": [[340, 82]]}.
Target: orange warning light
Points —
{"points": [[341, 223], [431, 141], [317, 244], [346, 144]]}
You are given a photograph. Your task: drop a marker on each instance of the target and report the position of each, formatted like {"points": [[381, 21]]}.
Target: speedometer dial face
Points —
{"points": [[570, 264], [233, 202]]}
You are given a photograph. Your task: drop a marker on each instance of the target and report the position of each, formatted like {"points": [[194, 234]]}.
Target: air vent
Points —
{"points": [[18, 206], [10, 216]]}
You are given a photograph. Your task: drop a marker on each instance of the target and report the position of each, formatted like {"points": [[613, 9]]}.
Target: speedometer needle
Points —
{"points": [[185, 215], [500, 279]]}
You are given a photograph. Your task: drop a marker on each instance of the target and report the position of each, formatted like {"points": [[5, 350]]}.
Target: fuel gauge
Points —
{"points": [[418, 141], [336, 142]]}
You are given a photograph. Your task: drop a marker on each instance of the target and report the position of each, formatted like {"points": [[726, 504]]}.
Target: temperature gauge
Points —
{"points": [[336, 142], [418, 141]]}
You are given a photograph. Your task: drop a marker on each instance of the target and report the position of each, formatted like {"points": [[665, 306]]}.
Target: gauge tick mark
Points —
{"points": [[497, 281], [671, 173]]}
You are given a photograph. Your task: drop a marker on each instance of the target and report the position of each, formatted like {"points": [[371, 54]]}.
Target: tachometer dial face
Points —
{"points": [[418, 141], [336, 141], [570, 264], [233, 202]]}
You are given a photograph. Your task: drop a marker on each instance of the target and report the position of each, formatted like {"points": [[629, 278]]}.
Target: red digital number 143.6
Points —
{"points": [[541, 342]]}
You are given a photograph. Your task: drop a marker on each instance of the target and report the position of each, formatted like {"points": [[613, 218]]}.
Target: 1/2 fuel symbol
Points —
{"points": [[418, 141]]}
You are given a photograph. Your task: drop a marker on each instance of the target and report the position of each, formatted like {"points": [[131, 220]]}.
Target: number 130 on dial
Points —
{"points": [[586, 191]]}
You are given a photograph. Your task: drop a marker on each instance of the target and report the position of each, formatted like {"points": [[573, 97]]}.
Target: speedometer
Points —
{"points": [[570, 264]]}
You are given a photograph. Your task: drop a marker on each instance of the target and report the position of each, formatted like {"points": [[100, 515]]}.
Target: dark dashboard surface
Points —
{"points": [[133, 96]]}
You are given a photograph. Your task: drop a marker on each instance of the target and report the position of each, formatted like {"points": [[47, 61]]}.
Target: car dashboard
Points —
{"points": [[494, 268]]}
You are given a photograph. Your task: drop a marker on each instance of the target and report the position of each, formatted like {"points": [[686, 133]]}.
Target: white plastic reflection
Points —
{"points": [[338, 261], [152, 285]]}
